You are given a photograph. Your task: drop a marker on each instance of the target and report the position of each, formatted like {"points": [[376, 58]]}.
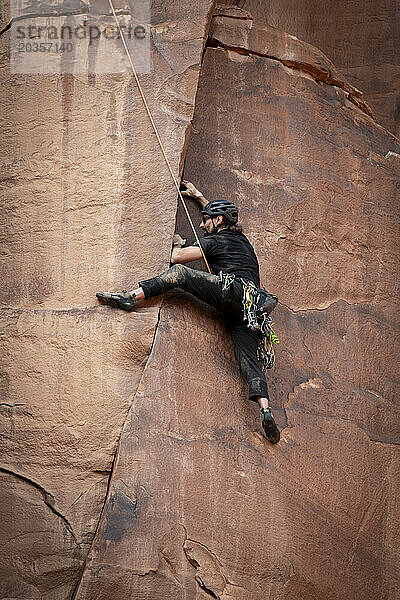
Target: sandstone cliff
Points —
{"points": [[88, 204], [360, 37], [192, 502]]}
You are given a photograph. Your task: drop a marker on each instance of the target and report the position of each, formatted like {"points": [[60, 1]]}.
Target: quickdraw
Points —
{"points": [[256, 320], [266, 347], [226, 279], [250, 299], [259, 322]]}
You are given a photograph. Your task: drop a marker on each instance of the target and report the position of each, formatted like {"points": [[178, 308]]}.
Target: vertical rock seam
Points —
{"points": [[113, 464]]}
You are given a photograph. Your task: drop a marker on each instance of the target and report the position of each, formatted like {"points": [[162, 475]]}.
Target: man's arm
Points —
{"points": [[183, 255]]}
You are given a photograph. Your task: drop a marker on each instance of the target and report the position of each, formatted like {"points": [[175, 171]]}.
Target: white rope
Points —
{"points": [[157, 134]]}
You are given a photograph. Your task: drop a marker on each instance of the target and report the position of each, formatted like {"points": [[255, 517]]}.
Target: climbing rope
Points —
{"points": [[157, 134]]}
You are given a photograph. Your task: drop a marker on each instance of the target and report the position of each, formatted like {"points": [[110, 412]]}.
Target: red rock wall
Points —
{"points": [[200, 505], [361, 38], [88, 204]]}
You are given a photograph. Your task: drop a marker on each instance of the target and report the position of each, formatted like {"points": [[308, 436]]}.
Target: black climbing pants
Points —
{"points": [[228, 302]]}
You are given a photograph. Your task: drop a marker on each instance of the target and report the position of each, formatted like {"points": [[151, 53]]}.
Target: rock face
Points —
{"points": [[199, 505], [88, 205], [360, 37]]}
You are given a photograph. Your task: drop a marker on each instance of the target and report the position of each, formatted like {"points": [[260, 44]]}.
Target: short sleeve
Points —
{"points": [[208, 245]]}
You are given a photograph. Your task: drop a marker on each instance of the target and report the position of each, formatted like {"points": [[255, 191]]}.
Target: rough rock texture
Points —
{"points": [[360, 37], [199, 505], [229, 30], [88, 204]]}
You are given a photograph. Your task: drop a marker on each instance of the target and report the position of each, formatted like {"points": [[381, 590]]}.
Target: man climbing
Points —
{"points": [[232, 289]]}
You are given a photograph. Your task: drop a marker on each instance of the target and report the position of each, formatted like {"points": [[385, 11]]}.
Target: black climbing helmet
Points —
{"points": [[226, 208]]}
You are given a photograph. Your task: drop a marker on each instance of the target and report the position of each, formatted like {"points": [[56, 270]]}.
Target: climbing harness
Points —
{"points": [[157, 134], [257, 306]]}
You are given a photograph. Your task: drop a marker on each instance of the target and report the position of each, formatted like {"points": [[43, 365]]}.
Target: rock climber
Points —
{"points": [[235, 268]]}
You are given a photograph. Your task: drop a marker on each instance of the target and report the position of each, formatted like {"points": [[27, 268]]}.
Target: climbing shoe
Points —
{"points": [[123, 300], [269, 426]]}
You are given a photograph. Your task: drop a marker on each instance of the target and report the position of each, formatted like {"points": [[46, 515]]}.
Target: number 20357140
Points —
{"points": [[45, 47]]}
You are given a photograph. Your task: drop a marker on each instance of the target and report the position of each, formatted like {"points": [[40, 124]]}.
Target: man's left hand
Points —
{"points": [[178, 241]]}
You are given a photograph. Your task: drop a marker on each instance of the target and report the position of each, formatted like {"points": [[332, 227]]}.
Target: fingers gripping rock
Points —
{"points": [[178, 241], [190, 190]]}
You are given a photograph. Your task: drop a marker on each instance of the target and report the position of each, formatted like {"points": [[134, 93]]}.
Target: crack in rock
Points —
{"points": [[320, 308], [231, 33], [209, 575], [113, 465], [106, 496], [204, 587], [84, 10], [48, 499], [318, 76]]}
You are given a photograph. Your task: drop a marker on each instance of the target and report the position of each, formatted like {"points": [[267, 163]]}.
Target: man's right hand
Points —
{"points": [[190, 190]]}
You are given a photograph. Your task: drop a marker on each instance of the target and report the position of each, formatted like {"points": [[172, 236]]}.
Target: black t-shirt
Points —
{"points": [[231, 252]]}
